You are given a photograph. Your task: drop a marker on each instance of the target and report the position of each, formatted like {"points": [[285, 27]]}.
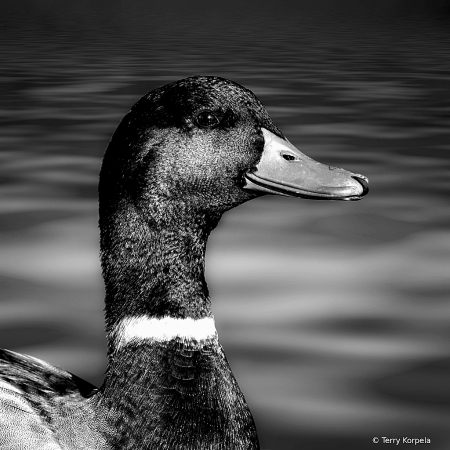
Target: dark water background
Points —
{"points": [[335, 316]]}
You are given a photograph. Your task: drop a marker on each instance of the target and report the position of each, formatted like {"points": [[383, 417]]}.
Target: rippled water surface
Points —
{"points": [[334, 315]]}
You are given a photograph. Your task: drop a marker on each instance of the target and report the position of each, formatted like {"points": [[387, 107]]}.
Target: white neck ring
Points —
{"points": [[144, 328]]}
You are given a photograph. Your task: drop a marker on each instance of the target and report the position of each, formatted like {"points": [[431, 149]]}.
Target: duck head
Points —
{"points": [[209, 143]]}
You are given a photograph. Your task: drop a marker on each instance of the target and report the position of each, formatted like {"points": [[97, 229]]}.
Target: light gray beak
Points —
{"points": [[285, 170]]}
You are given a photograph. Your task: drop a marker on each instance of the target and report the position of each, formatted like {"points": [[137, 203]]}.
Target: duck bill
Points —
{"points": [[285, 170]]}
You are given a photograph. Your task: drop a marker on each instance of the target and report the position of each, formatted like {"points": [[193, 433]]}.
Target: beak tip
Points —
{"points": [[363, 184]]}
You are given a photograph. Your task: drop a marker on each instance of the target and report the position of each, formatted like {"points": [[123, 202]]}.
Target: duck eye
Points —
{"points": [[206, 119]]}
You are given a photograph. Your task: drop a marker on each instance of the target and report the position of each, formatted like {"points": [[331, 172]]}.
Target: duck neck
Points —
{"points": [[167, 377], [153, 262]]}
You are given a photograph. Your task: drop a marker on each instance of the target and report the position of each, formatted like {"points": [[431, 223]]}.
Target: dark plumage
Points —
{"points": [[185, 153]]}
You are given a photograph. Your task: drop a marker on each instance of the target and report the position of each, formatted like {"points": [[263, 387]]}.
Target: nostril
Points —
{"points": [[288, 157], [363, 181]]}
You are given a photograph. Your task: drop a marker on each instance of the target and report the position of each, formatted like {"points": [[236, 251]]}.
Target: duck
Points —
{"points": [[184, 154]]}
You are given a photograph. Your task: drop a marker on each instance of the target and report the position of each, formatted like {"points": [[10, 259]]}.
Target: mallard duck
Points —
{"points": [[183, 155]]}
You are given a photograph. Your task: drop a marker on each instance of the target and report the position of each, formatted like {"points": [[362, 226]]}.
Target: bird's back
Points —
{"points": [[43, 407]]}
